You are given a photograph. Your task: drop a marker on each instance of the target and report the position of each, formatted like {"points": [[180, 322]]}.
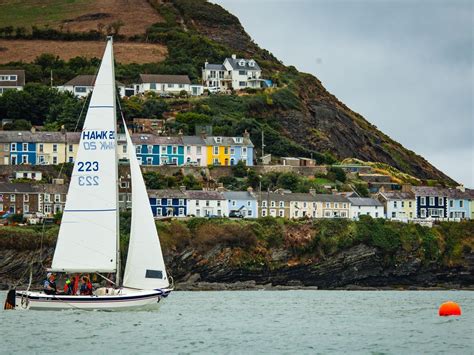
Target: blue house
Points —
{"points": [[242, 202], [459, 206], [168, 203], [22, 153], [157, 150], [431, 202]]}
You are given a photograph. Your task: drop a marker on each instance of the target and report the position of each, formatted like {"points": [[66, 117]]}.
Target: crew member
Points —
{"points": [[86, 286], [49, 285]]}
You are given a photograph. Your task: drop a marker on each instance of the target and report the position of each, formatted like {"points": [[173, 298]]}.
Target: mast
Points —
{"points": [[117, 274]]}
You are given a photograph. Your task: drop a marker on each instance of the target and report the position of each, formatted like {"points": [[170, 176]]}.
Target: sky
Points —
{"points": [[406, 66]]}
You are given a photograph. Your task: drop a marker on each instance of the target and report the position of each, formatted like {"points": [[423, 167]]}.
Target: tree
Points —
{"points": [[18, 125], [239, 170], [336, 173], [288, 181], [154, 108]]}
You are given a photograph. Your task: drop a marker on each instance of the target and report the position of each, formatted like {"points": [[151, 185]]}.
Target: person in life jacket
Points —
{"points": [[69, 286], [86, 286], [49, 285]]}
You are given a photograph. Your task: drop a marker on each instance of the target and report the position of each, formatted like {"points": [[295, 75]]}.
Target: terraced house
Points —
{"points": [[168, 203], [46, 148], [459, 204], [398, 205], [29, 199], [242, 203], [332, 206], [228, 151], [431, 202], [274, 204], [203, 203]]}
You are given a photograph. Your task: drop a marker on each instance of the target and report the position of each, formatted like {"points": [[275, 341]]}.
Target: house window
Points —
{"points": [[344, 214], [25, 147], [264, 203], [26, 208], [80, 89], [152, 86], [216, 161], [175, 150], [124, 149], [55, 148], [394, 214], [336, 205], [124, 184], [242, 83], [70, 147], [197, 202], [198, 212], [451, 203], [403, 203], [215, 150], [47, 198], [24, 159], [232, 151], [169, 202], [181, 212], [461, 203], [138, 149], [242, 72], [181, 202], [55, 160], [163, 149], [57, 198], [13, 147], [181, 86], [409, 204], [149, 161], [441, 201], [432, 201], [218, 203], [423, 201], [327, 214], [188, 150], [198, 150], [226, 150], [149, 149], [12, 198], [264, 213], [233, 203], [158, 212], [272, 204], [171, 85], [26, 198], [423, 213], [344, 205]]}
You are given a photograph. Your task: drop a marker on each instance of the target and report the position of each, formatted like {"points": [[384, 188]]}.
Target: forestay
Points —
{"points": [[145, 267], [88, 232]]}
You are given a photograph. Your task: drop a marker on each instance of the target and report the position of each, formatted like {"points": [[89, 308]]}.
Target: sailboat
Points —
{"points": [[88, 240]]}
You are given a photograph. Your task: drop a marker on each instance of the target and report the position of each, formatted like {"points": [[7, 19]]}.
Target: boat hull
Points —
{"points": [[124, 300]]}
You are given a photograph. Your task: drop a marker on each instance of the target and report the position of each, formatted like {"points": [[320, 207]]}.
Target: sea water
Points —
{"points": [[254, 322]]}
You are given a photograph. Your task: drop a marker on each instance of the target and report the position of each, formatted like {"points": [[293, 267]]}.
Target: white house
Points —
{"points": [[399, 205], [206, 203], [163, 84], [365, 206], [82, 85], [195, 150], [11, 80], [28, 174], [235, 73]]}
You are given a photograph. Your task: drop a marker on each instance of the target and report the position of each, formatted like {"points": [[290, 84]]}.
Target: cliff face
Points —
{"points": [[358, 267]]}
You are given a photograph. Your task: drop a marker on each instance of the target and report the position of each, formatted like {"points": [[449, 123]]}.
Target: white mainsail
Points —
{"points": [[87, 239], [145, 268]]}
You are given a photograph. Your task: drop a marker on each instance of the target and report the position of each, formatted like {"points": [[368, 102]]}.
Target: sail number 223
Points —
{"points": [[88, 166]]}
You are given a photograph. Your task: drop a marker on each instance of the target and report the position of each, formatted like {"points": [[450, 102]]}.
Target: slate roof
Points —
{"points": [[429, 191], [153, 139], [204, 195], [239, 195], [397, 195], [85, 80], [458, 194], [167, 193], [330, 198], [214, 66], [20, 78], [39, 137], [165, 79], [193, 140], [33, 188], [228, 141], [235, 64], [364, 201]]}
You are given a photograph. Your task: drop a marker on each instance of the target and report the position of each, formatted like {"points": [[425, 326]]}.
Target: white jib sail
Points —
{"points": [[88, 233], [145, 268]]}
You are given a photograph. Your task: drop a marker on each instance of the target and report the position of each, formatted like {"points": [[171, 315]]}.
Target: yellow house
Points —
{"points": [[218, 153], [56, 147]]}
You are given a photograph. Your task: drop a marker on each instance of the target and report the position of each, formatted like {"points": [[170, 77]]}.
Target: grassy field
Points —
{"points": [[79, 15]]}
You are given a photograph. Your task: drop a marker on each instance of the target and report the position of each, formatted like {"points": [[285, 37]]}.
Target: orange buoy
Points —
{"points": [[449, 308]]}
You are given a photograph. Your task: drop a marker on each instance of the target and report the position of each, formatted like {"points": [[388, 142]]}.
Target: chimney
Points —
{"points": [[182, 188], [312, 191], [405, 188], [234, 56], [33, 129], [246, 134], [63, 129], [206, 63], [203, 134], [250, 189], [461, 188], [180, 132]]}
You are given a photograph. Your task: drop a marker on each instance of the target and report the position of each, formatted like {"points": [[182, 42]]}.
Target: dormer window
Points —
{"points": [[242, 63], [251, 63], [8, 77], [238, 139], [218, 139]]}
